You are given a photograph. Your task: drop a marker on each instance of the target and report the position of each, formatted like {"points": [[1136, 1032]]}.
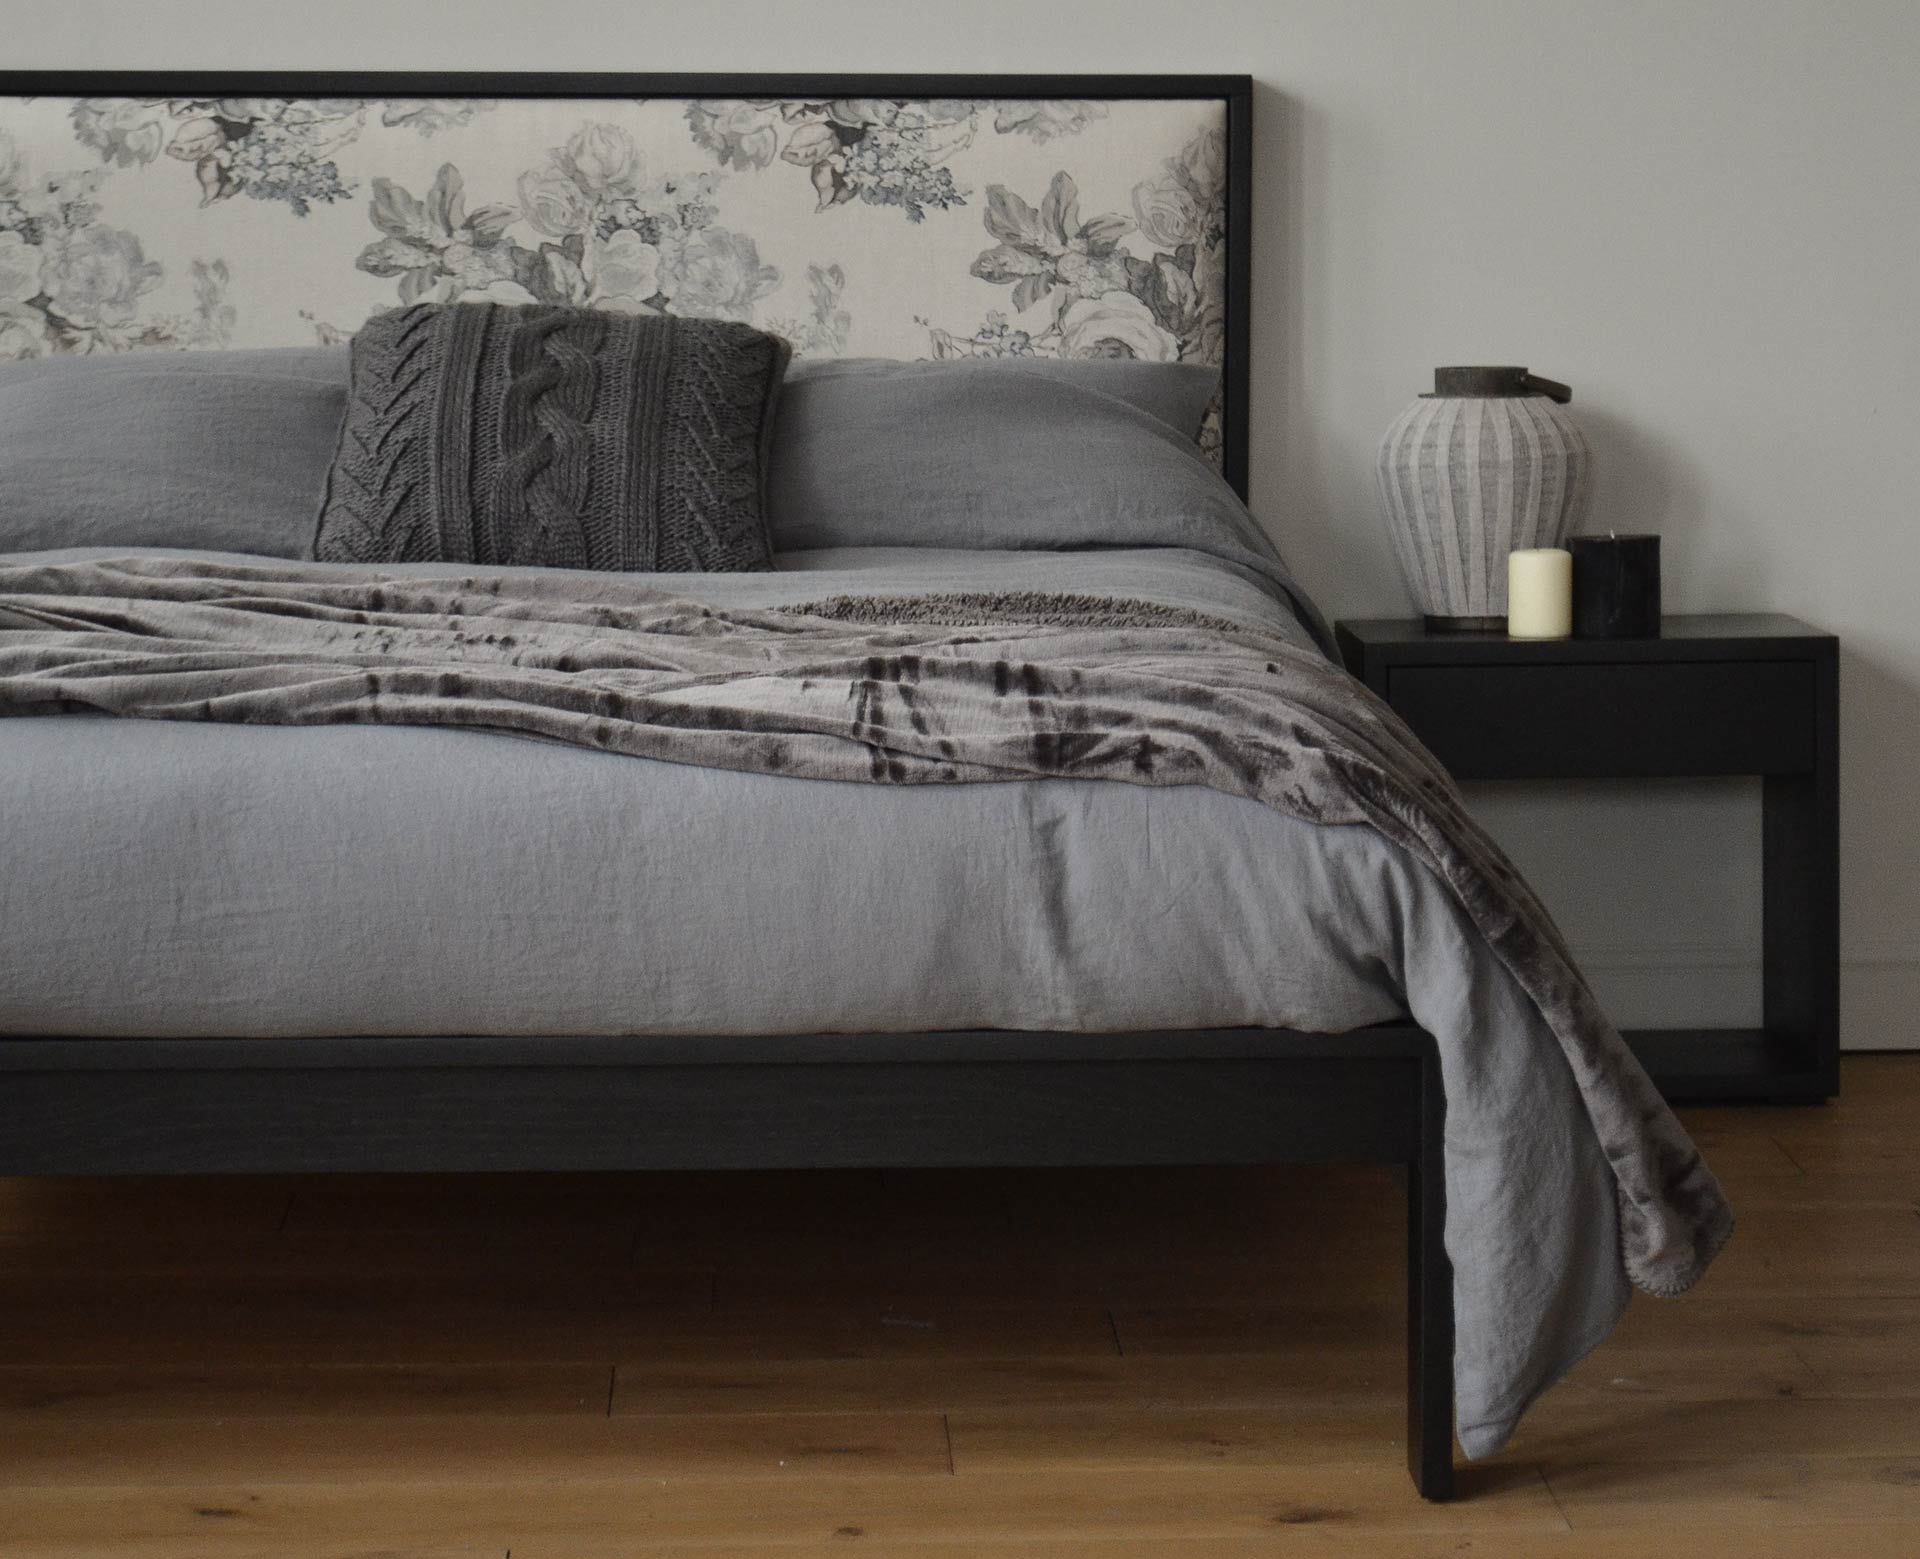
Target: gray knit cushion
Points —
{"points": [[557, 437]]}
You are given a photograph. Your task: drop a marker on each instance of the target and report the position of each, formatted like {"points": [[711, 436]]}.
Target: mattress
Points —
{"points": [[222, 880]]}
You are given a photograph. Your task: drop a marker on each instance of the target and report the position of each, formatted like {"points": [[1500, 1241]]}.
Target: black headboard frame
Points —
{"points": [[1234, 92]]}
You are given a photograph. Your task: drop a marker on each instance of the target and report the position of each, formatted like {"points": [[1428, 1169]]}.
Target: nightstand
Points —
{"points": [[1717, 695]]}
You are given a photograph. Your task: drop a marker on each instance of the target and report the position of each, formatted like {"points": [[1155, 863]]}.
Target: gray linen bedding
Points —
{"points": [[217, 879]]}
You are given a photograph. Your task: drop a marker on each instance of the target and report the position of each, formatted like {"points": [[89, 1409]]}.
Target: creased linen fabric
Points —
{"points": [[205, 450], [621, 667], [554, 437]]}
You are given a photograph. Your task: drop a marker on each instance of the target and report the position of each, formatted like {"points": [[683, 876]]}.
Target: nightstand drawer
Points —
{"points": [[1612, 721]]}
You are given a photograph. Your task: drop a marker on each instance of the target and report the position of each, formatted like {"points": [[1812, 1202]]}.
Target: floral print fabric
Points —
{"points": [[877, 227]]}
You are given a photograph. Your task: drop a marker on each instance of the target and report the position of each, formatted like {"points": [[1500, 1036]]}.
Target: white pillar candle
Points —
{"points": [[1540, 593]]}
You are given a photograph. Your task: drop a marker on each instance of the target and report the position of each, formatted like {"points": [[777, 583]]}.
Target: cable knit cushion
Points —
{"points": [[557, 437]]}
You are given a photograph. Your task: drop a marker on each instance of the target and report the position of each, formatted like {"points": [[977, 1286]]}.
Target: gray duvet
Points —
{"points": [[216, 879]]}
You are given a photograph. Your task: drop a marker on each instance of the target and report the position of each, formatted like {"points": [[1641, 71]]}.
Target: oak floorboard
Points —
{"points": [[1301, 1321], [988, 1277], [1883, 1149], [562, 1254], [1826, 1251], [1802, 1191], [1309, 1432], [1819, 1328], [1737, 1367], [897, 1281], [1779, 1490], [955, 1384], [1855, 1346], [342, 1391], [873, 1331], [321, 1291], [282, 1330], [42, 1452], [1577, 1426], [88, 1329]]}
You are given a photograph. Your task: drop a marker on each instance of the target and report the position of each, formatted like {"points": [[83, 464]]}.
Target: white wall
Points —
{"points": [[1705, 216]]}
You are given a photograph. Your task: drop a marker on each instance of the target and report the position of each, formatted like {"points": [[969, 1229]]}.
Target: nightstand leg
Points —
{"points": [[1800, 854]]}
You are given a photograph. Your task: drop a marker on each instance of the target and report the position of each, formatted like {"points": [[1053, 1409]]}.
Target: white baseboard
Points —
{"points": [[1880, 1001], [1681, 985], [1675, 984]]}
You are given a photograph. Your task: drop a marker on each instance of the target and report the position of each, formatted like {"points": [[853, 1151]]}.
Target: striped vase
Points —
{"points": [[1485, 465]]}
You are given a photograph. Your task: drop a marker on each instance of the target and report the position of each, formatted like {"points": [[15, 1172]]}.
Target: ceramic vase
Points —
{"points": [[1488, 463]]}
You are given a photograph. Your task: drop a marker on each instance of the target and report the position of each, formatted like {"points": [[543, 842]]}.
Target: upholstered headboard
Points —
{"points": [[903, 216]]}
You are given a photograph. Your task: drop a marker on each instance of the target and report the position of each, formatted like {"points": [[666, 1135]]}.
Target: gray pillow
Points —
{"points": [[219, 451], [1177, 393], [554, 437], [1003, 452]]}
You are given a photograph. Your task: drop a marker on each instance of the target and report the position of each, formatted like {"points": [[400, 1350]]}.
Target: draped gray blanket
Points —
{"points": [[906, 690]]}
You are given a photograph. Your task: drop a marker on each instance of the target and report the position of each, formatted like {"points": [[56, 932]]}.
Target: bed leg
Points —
{"points": [[1429, 1303]]}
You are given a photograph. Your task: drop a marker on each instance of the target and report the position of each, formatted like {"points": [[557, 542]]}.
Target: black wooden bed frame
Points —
{"points": [[83, 1106]]}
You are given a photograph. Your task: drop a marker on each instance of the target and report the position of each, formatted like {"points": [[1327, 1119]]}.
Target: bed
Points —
{"points": [[417, 944]]}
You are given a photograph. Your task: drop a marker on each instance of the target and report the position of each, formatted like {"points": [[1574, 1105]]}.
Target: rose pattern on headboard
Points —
{"points": [[267, 148], [915, 228], [605, 235], [71, 283], [885, 151]]}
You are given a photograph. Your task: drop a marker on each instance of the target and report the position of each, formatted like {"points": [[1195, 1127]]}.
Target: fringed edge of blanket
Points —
{"points": [[1020, 608]]}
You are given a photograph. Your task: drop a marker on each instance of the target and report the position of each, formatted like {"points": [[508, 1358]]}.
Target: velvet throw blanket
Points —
{"points": [[896, 690]]}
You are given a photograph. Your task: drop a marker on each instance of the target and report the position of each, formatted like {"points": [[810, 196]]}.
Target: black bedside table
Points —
{"points": [[1733, 695]]}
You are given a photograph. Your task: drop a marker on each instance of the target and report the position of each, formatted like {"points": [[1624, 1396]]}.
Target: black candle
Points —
{"points": [[1616, 586]]}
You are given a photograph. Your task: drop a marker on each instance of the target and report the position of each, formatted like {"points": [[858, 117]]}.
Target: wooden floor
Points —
{"points": [[1185, 1363]]}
